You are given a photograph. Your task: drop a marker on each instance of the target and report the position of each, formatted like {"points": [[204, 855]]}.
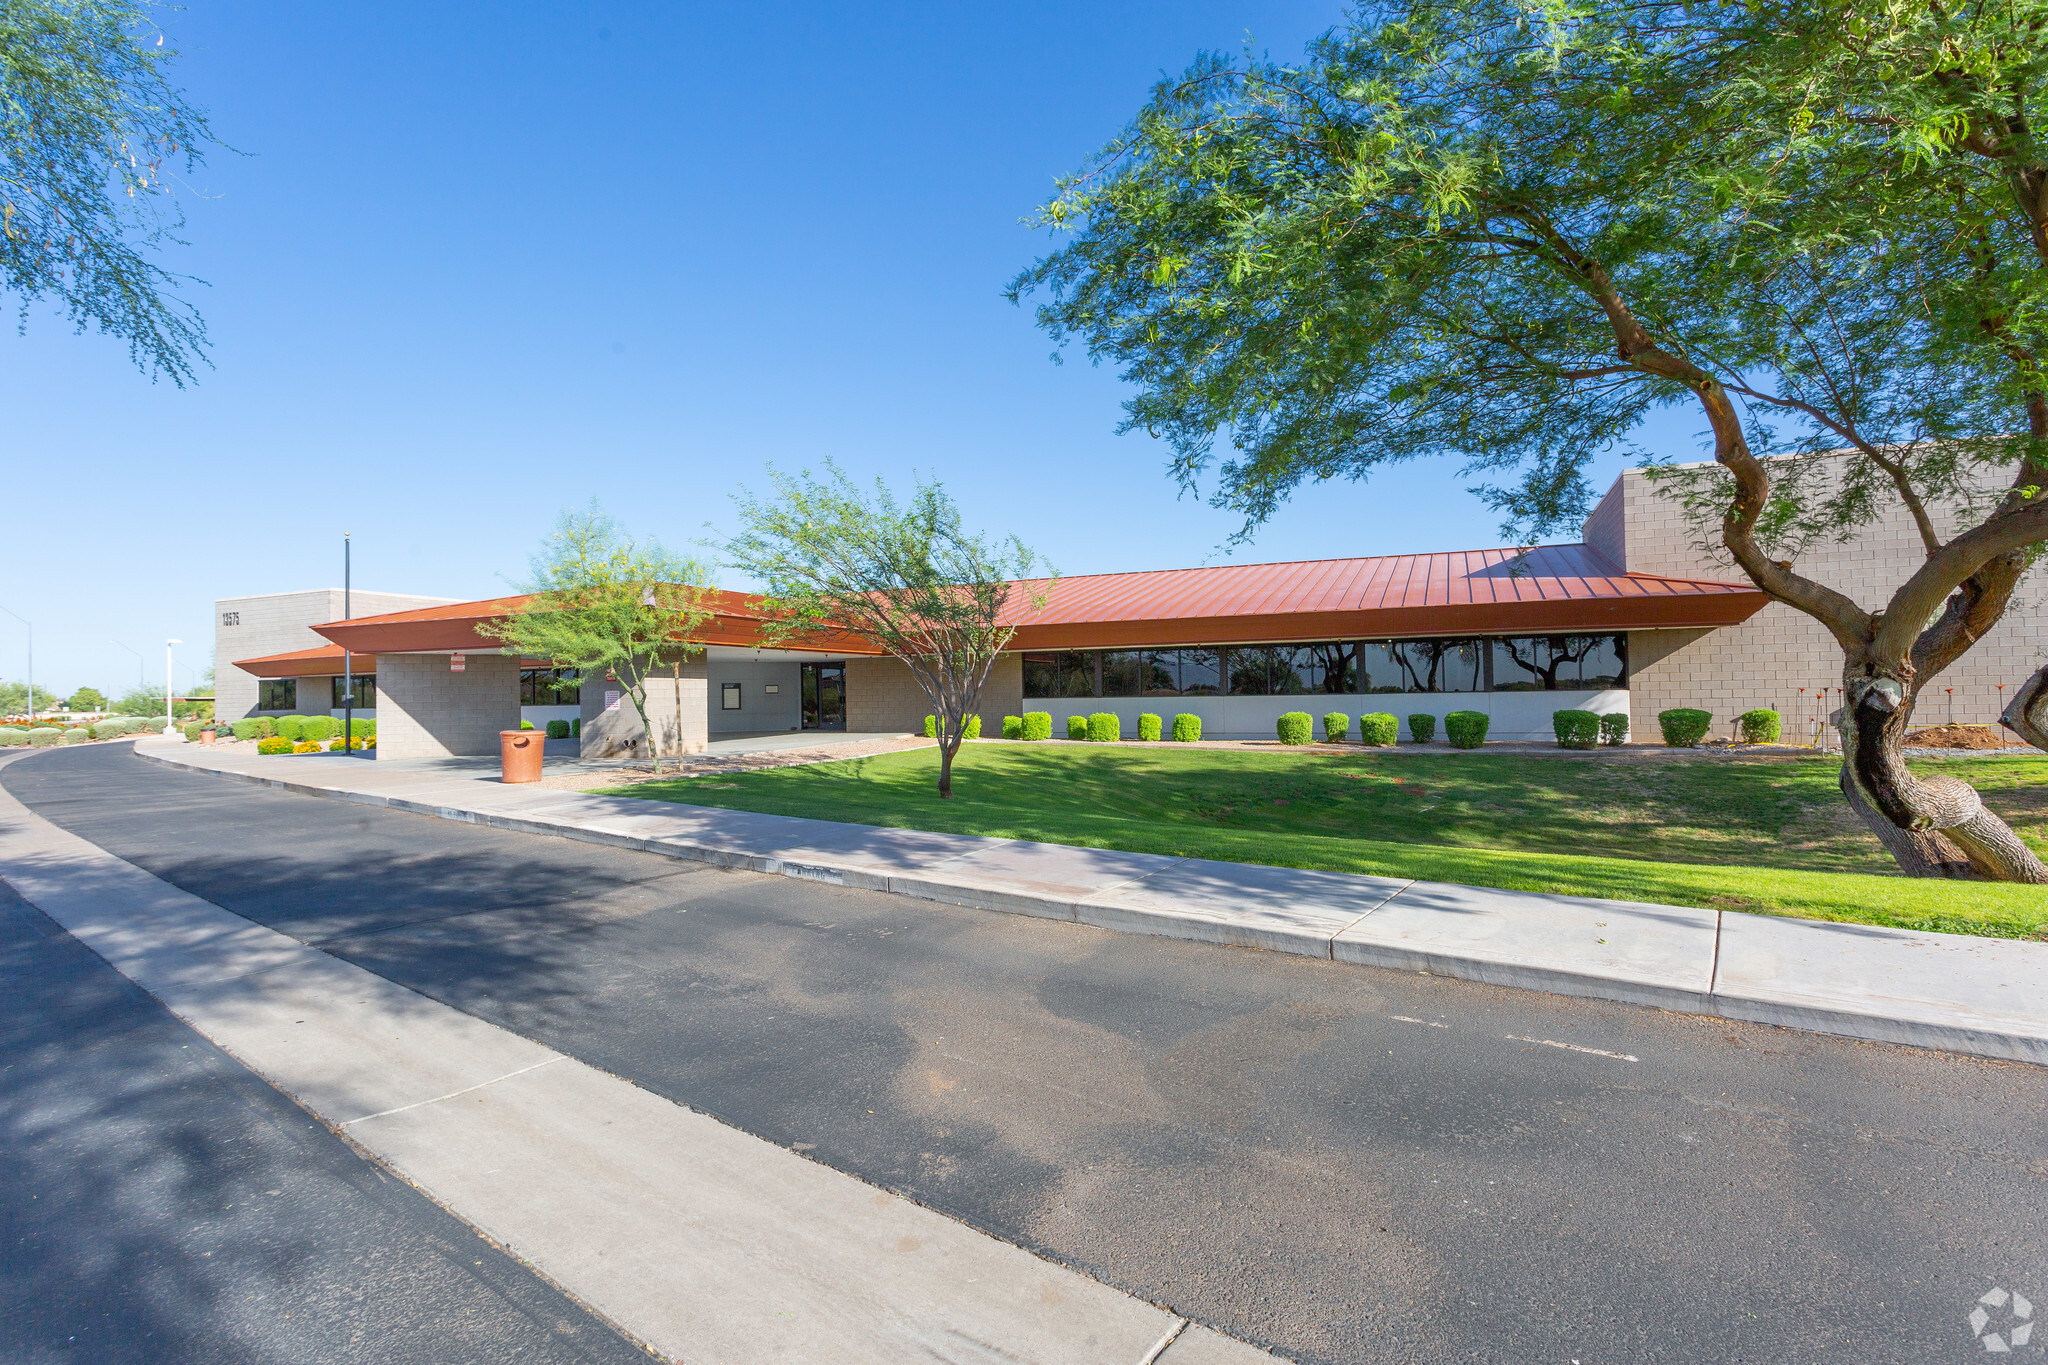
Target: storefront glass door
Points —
{"points": [[824, 696]]}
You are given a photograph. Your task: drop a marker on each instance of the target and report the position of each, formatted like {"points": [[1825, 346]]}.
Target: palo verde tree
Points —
{"points": [[605, 605], [833, 558], [1508, 231], [91, 133]]}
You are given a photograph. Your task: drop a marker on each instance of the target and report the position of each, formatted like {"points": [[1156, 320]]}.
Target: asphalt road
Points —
{"points": [[1340, 1163]]}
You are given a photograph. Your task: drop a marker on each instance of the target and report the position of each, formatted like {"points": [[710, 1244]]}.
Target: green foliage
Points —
{"points": [[1104, 727], [558, 729], [602, 603], [1187, 727], [1149, 726], [318, 728], [43, 736], [77, 735], [1379, 730], [1013, 727], [1760, 726], [1684, 726], [292, 728], [191, 730], [576, 728], [12, 736], [1037, 725], [255, 727], [1077, 727], [86, 699], [1614, 728], [146, 700], [334, 746], [1466, 729], [14, 699], [109, 729], [1575, 729], [273, 744], [931, 727], [1336, 727], [306, 746], [526, 725], [1295, 727], [969, 729], [1422, 727]]}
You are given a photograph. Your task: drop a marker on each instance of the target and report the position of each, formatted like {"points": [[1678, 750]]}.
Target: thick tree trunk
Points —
{"points": [[2027, 714], [947, 748]]}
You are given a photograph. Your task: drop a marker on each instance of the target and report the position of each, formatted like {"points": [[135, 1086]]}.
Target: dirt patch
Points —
{"points": [[1958, 737]]}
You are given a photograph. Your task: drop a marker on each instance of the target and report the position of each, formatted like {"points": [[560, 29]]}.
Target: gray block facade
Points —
{"points": [[759, 709], [676, 706], [427, 710], [282, 623]]}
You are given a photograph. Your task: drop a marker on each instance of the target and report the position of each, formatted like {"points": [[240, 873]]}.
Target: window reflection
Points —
{"points": [[1344, 667]]}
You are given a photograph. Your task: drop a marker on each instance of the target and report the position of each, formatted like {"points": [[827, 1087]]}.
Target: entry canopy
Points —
{"points": [[1547, 589]]}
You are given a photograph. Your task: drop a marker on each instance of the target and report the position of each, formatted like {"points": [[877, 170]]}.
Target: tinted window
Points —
{"points": [[1067, 673], [1123, 673], [366, 692], [549, 687], [1201, 673], [1161, 672], [1251, 671], [1550, 663], [277, 694]]}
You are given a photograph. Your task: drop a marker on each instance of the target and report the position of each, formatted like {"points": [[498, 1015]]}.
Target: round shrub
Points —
{"points": [[1761, 726], [193, 727], [273, 744], [1614, 728], [524, 725], [43, 736], [10, 737], [1149, 726], [1037, 725], [1013, 727], [1337, 727], [256, 728], [1466, 729], [1378, 730], [318, 728], [108, 729], [1684, 726], [1187, 728], [76, 736], [1077, 727], [1422, 727], [1575, 729], [558, 729], [1296, 728], [969, 728], [292, 728], [1104, 727]]}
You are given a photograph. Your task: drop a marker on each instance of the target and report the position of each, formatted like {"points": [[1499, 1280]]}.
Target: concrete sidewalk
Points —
{"points": [[1964, 994]]}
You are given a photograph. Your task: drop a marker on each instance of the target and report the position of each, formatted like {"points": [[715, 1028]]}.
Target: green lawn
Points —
{"points": [[1762, 834]]}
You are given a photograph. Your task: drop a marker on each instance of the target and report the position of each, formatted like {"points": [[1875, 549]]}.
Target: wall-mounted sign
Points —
{"points": [[611, 701], [729, 697], [771, 688], [457, 664]]}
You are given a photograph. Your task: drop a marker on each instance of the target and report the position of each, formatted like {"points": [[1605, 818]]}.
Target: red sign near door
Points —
{"points": [[457, 664]]}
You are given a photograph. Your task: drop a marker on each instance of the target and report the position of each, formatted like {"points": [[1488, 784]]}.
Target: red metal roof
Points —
{"points": [[1547, 589], [305, 663]]}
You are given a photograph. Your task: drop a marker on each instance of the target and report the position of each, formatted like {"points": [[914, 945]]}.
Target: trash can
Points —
{"points": [[206, 735], [520, 751]]}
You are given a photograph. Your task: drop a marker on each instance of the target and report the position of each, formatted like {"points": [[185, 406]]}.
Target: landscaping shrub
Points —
{"points": [[1378, 730], [10, 737], [558, 729], [1337, 727], [1466, 729], [292, 728], [1422, 727], [969, 729], [273, 744], [1295, 728], [193, 727], [1077, 727], [261, 727], [1187, 728], [1684, 726], [306, 746], [318, 728], [109, 729], [1761, 726], [1149, 726], [1104, 727], [76, 735], [575, 728], [1013, 727], [358, 742], [1037, 725], [43, 736], [1575, 729], [526, 725], [1614, 727]]}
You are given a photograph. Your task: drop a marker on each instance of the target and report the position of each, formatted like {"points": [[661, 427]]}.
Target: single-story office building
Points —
{"points": [[1634, 618]]}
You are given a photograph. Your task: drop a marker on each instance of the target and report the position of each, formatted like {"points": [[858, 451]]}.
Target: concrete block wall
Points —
{"points": [[280, 623], [676, 707], [760, 710], [1768, 658], [426, 710], [882, 696]]}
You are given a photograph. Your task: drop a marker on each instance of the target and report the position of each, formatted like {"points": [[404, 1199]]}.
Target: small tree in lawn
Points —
{"points": [[601, 603], [832, 558]]}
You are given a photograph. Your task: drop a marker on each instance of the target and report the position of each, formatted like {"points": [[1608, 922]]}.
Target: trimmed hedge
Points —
{"points": [[524, 725], [558, 729], [1761, 726], [10, 737], [1575, 729], [1077, 727], [318, 728], [1614, 728], [1296, 728], [43, 736], [259, 727], [575, 728], [110, 728], [273, 744], [1037, 725], [1013, 727], [1104, 727], [1379, 730], [1684, 726], [1466, 729], [292, 728], [969, 729], [76, 735], [1422, 727], [1337, 727], [1187, 727], [1149, 726]]}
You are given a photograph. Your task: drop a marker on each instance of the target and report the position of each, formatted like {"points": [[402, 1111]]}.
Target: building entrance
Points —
{"points": [[824, 696]]}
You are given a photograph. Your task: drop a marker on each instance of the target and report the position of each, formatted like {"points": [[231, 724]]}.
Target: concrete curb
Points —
{"points": [[1952, 1017]]}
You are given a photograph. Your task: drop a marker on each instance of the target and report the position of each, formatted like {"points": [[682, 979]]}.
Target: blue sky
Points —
{"points": [[477, 263]]}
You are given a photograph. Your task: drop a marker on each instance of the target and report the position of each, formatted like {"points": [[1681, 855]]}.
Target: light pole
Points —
{"points": [[170, 724], [31, 660], [348, 658]]}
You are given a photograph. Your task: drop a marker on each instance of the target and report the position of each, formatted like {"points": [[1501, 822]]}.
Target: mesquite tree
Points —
{"points": [[1507, 233], [905, 575]]}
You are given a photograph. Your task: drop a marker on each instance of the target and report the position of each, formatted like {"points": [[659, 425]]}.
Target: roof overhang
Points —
{"points": [[306, 663]]}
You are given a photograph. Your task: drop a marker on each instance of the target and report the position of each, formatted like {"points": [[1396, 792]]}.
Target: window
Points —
{"points": [[366, 692], [1123, 673], [728, 696], [1067, 673], [277, 694], [1161, 670], [1201, 673], [550, 687], [1552, 663]]}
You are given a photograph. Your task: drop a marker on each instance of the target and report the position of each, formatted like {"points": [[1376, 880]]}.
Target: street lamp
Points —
{"points": [[31, 661], [170, 726]]}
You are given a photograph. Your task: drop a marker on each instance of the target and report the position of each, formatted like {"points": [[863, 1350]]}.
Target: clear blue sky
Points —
{"points": [[479, 262]]}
